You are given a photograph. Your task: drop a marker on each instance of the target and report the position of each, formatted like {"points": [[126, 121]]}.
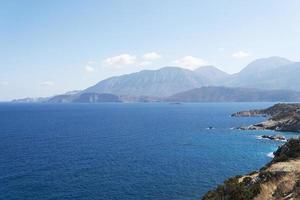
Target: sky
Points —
{"points": [[51, 47]]}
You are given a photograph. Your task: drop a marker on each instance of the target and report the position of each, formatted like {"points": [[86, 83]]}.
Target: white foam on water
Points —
{"points": [[271, 155], [259, 137]]}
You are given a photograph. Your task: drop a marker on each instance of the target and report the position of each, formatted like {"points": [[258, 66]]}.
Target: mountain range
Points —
{"points": [[273, 73], [266, 79], [230, 94]]}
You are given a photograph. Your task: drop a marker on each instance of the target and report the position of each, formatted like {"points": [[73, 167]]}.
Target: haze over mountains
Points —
{"points": [[268, 73], [229, 94], [253, 83], [160, 83]]}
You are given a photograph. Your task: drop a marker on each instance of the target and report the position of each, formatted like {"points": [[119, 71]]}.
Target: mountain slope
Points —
{"points": [[84, 98], [268, 73], [214, 75], [160, 83], [226, 94], [264, 64], [273, 73]]}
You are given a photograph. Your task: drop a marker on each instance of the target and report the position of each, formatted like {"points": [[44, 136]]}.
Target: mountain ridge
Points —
{"points": [[271, 73], [203, 94], [268, 73], [234, 94], [162, 82]]}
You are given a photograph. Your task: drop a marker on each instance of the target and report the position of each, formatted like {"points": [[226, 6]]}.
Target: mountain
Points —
{"points": [[226, 94], [84, 98], [213, 75], [284, 77], [73, 92], [203, 94], [158, 83], [62, 98], [262, 65], [96, 98], [31, 100], [273, 73], [268, 73]]}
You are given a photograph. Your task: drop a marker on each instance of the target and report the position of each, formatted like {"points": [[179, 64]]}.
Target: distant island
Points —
{"points": [[277, 180], [272, 79]]}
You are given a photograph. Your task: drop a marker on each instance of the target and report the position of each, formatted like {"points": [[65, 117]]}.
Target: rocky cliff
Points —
{"points": [[278, 180]]}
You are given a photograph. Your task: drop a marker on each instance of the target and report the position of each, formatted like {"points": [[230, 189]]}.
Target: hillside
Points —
{"points": [[273, 73], [213, 75], [205, 84], [158, 83], [278, 180], [203, 94], [84, 98], [268, 73], [227, 94]]}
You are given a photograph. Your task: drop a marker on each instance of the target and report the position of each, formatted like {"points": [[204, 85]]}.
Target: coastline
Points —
{"points": [[280, 178], [281, 117]]}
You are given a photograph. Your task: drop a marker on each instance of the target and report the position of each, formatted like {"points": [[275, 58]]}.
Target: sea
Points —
{"points": [[126, 151]]}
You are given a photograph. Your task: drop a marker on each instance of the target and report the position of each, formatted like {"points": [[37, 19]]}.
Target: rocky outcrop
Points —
{"points": [[274, 137], [249, 113], [278, 180], [282, 117]]}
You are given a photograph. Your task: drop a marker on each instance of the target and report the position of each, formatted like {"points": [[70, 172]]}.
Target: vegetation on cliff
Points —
{"points": [[279, 179]]}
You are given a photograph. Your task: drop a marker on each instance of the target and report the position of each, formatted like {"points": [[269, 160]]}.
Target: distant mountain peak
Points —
{"points": [[206, 67], [269, 73], [263, 64], [210, 68], [171, 68], [214, 75], [266, 73], [161, 82]]}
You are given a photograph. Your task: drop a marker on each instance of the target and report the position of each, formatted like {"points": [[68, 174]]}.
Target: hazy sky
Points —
{"points": [[50, 47]]}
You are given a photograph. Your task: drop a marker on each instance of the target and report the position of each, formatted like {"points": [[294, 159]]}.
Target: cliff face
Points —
{"points": [[278, 180], [283, 117]]}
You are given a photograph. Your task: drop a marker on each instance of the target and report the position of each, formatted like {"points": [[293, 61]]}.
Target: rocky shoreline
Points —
{"points": [[280, 178], [274, 137], [282, 117]]}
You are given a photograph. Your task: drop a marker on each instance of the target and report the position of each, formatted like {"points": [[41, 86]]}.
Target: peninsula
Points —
{"points": [[281, 117]]}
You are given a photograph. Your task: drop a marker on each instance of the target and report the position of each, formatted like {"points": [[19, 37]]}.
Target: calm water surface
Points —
{"points": [[124, 151]]}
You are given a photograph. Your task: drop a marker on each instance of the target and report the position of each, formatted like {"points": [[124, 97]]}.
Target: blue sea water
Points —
{"points": [[124, 151]]}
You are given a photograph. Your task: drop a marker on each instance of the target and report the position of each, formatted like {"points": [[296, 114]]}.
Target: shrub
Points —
{"points": [[234, 190]]}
